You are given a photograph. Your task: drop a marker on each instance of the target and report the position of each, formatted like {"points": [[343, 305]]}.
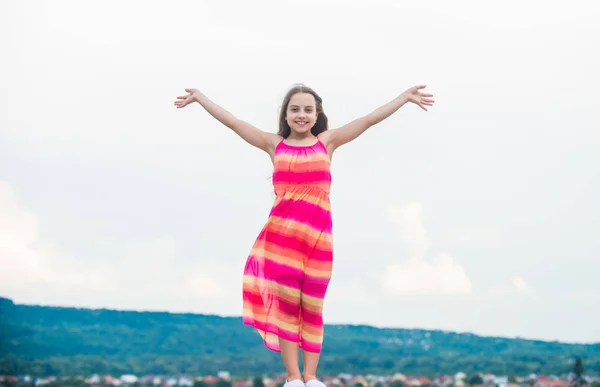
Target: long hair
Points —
{"points": [[321, 124]]}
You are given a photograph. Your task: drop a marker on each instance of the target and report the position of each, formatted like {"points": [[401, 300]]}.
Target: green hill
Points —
{"points": [[42, 340]]}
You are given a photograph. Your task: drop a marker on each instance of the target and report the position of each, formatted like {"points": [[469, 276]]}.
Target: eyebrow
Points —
{"points": [[310, 106]]}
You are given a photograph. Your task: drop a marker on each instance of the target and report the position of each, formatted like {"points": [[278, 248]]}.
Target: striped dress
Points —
{"points": [[289, 267]]}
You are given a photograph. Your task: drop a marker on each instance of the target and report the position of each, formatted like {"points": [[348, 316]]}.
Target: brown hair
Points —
{"points": [[322, 122]]}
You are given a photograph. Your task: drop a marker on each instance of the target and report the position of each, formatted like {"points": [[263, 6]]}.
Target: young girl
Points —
{"points": [[289, 267]]}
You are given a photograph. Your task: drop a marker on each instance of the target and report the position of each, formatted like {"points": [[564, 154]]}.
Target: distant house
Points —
{"points": [[128, 379], [185, 381], [225, 375]]}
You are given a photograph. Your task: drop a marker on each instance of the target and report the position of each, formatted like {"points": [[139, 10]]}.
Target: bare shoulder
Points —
{"points": [[272, 140], [326, 140], [325, 137]]}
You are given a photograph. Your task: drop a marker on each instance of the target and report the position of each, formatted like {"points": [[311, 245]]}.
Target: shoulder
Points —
{"points": [[273, 139], [272, 142], [325, 136], [326, 139]]}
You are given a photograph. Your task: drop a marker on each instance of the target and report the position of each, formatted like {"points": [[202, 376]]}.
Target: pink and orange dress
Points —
{"points": [[289, 266]]}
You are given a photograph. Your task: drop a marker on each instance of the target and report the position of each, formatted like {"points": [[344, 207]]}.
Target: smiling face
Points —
{"points": [[301, 113]]}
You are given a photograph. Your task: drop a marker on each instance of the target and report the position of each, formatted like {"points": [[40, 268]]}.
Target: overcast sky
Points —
{"points": [[480, 215]]}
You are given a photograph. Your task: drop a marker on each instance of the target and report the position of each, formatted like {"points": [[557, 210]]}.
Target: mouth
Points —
{"points": [[301, 123]]}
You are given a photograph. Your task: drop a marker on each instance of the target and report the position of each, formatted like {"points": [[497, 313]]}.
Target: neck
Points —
{"points": [[302, 140], [300, 136]]}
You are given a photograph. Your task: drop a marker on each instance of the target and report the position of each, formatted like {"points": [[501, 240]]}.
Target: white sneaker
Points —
{"points": [[294, 383], [314, 383]]}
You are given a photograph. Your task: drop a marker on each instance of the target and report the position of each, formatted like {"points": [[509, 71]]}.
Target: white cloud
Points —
{"points": [[520, 284], [210, 280], [158, 274], [34, 266], [142, 274], [417, 275]]}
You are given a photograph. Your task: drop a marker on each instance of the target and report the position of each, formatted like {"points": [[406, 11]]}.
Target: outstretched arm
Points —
{"points": [[252, 135], [337, 137]]}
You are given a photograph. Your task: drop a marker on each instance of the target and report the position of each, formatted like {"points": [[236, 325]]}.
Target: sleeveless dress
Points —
{"points": [[289, 266]]}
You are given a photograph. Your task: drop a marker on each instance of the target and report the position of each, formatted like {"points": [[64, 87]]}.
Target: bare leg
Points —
{"points": [[312, 334], [289, 354], [314, 288], [311, 361]]}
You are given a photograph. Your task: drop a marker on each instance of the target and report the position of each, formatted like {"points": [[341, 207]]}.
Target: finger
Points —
{"points": [[419, 87], [427, 95], [423, 107]]}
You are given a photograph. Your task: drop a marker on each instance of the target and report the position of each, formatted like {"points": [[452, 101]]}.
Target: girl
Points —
{"points": [[289, 266]]}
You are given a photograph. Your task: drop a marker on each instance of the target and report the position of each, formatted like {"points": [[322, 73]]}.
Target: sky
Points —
{"points": [[480, 215]]}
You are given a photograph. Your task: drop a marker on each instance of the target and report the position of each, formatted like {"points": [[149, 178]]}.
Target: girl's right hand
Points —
{"points": [[184, 100]]}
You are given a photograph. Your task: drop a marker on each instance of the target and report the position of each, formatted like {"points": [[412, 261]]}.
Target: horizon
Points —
{"points": [[326, 324]]}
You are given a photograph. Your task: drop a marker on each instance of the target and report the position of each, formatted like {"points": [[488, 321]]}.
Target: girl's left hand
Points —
{"points": [[415, 96]]}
